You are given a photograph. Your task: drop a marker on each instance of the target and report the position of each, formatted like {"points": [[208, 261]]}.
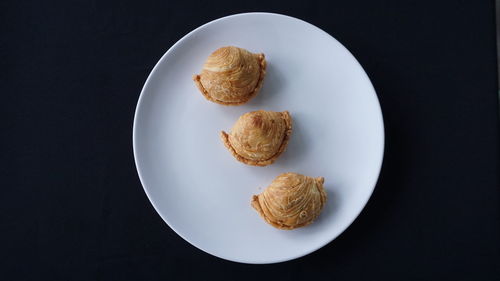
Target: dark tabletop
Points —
{"points": [[72, 206]]}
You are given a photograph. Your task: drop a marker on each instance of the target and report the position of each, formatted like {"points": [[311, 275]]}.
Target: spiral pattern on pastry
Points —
{"points": [[258, 138], [291, 201], [231, 76]]}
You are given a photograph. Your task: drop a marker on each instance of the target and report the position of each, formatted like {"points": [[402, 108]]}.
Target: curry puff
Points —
{"points": [[231, 76], [291, 201], [258, 138]]}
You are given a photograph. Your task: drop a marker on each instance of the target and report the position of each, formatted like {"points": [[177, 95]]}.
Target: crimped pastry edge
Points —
{"points": [[261, 163], [256, 205], [263, 64]]}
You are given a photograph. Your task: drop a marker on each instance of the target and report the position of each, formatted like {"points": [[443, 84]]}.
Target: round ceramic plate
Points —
{"points": [[197, 186]]}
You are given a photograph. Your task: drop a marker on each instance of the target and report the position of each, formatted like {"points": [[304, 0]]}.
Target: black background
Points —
{"points": [[72, 206]]}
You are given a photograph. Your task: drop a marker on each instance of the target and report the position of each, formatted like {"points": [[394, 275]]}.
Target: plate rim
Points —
{"points": [[137, 112]]}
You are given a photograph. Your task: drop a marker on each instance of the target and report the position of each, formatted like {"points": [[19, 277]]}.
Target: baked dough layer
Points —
{"points": [[291, 201], [258, 138], [231, 76]]}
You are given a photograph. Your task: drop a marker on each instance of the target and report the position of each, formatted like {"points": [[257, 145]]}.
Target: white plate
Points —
{"points": [[203, 193]]}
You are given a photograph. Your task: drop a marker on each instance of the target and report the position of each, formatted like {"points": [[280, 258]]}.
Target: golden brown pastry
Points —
{"points": [[259, 137], [231, 76], [291, 201]]}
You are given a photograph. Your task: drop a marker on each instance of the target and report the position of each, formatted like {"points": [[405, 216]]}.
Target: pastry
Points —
{"points": [[231, 76], [291, 201], [259, 137]]}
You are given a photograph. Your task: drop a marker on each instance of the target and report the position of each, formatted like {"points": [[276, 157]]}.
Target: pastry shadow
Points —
{"points": [[271, 87], [331, 208], [329, 212], [297, 145]]}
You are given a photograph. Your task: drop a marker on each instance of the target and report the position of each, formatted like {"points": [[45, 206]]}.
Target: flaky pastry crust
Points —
{"points": [[231, 76], [291, 201], [258, 138]]}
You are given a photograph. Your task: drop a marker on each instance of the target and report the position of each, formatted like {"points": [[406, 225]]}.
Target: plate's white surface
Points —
{"points": [[203, 193]]}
